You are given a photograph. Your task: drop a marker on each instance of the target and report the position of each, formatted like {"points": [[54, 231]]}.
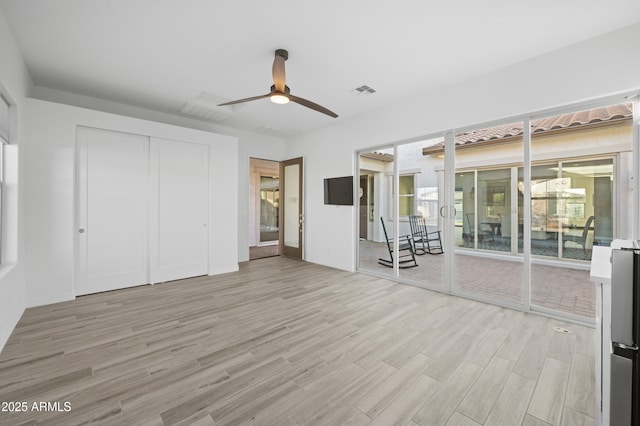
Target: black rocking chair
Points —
{"points": [[424, 242], [404, 244]]}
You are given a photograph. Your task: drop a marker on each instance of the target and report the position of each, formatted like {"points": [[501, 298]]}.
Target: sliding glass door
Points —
{"points": [[400, 226], [376, 211], [486, 261], [420, 203], [573, 201], [508, 213]]}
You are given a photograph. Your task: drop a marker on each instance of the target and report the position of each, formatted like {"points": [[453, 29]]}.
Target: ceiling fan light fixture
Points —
{"points": [[279, 98]]}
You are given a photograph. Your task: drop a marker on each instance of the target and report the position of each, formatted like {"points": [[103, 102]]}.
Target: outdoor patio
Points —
{"points": [[547, 248], [558, 288]]}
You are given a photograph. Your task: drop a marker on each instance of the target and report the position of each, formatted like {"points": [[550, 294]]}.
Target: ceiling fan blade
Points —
{"points": [[314, 106], [239, 101], [279, 74]]}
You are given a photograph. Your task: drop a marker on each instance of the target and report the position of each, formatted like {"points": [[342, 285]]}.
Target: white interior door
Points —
{"points": [[179, 210], [112, 231]]}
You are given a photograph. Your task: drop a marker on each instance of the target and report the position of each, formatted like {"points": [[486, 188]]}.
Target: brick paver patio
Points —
{"points": [[558, 288]]}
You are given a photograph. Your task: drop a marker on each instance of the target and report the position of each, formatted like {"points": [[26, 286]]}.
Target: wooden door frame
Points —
{"points": [[364, 223]]}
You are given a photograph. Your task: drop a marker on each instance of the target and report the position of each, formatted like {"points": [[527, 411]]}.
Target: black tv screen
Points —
{"points": [[339, 191]]}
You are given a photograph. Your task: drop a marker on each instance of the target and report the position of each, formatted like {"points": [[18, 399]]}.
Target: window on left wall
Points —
{"points": [[4, 140]]}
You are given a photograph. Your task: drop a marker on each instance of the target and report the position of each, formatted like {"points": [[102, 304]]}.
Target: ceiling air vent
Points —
{"points": [[363, 90], [205, 106], [267, 128]]}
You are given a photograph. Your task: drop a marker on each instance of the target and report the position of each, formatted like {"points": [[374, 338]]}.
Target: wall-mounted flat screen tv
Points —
{"points": [[339, 191]]}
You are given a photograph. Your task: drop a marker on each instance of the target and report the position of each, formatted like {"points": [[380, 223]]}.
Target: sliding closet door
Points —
{"points": [[112, 231], [179, 210]]}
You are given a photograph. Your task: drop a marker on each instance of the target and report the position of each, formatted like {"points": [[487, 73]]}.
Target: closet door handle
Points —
{"points": [[81, 231]]}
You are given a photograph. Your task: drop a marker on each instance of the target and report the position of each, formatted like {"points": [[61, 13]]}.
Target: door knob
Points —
{"points": [[81, 231]]}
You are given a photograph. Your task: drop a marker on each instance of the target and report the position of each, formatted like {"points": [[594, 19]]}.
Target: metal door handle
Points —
{"points": [[441, 208], [81, 231]]}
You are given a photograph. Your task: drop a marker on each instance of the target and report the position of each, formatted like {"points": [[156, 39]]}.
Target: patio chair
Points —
{"points": [[403, 244], [424, 242], [485, 233], [581, 238]]}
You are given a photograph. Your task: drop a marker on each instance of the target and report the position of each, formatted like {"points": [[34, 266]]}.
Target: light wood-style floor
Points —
{"points": [[290, 343]]}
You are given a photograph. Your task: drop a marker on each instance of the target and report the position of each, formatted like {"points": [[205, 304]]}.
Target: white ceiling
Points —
{"points": [[160, 54]]}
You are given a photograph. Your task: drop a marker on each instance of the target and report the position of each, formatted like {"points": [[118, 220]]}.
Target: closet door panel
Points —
{"points": [[112, 231], [179, 210]]}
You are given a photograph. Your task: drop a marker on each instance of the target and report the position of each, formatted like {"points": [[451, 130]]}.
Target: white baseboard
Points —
{"points": [[8, 324], [48, 299], [224, 269]]}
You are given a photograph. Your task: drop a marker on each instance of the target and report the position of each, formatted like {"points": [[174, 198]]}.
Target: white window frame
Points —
{"points": [[5, 139], [411, 196]]}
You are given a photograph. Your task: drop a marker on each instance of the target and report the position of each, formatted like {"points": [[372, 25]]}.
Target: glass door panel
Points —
{"points": [[546, 187], [589, 193], [572, 201], [269, 208], [291, 218], [494, 207], [465, 187], [486, 261], [291, 206], [376, 206], [421, 197]]}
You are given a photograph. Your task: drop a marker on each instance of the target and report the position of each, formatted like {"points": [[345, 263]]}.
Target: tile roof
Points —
{"points": [[505, 132], [375, 155], [592, 116]]}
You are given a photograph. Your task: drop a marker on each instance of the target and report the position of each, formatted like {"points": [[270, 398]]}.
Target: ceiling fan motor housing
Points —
{"points": [[282, 53], [286, 89]]}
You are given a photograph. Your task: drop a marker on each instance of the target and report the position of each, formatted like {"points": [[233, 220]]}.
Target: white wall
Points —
{"points": [[596, 68], [328, 230], [15, 81], [50, 186], [250, 145]]}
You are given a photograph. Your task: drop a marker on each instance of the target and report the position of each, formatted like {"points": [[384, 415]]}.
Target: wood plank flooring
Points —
{"points": [[283, 342]]}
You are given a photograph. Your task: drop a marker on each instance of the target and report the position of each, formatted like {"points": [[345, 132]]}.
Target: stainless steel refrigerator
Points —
{"points": [[625, 336]]}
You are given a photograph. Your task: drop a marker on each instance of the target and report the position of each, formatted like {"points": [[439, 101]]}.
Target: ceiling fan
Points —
{"points": [[280, 92]]}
